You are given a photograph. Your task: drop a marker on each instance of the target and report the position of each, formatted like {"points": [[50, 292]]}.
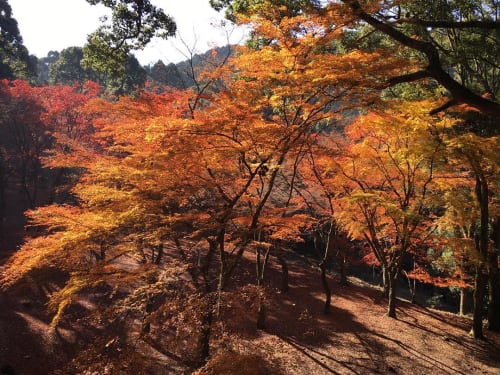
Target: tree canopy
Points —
{"points": [[452, 41], [15, 61], [134, 23]]}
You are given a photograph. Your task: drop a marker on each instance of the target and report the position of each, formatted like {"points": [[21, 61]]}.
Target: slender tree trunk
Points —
{"points": [[465, 301], [261, 311], [385, 281], [411, 287], [480, 282], [261, 308], [482, 239], [326, 287], [206, 331], [59, 173], [159, 256], [212, 302], [493, 279], [393, 277], [148, 309], [284, 273], [205, 266], [223, 272], [343, 269], [322, 267], [220, 286]]}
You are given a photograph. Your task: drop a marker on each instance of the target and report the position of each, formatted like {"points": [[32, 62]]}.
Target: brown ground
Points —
{"points": [[354, 338]]}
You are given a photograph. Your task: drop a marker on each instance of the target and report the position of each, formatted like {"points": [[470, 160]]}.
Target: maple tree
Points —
{"points": [[71, 131], [34, 117], [413, 25], [441, 36], [35, 122], [455, 251], [24, 136], [317, 194], [386, 177], [480, 156]]}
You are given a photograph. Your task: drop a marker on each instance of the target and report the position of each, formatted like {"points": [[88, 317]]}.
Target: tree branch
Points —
{"points": [[489, 25], [411, 77], [460, 93], [448, 104]]}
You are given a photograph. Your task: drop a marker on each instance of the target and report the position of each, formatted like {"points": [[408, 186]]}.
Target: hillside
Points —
{"points": [[355, 338]]}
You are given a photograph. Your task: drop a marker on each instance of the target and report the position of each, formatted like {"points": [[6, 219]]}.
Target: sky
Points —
{"points": [[57, 24]]}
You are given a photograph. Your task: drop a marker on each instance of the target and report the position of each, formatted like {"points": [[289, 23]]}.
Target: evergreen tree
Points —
{"points": [[15, 61]]}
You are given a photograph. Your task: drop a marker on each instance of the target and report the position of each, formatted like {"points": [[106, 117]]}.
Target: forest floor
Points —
{"points": [[354, 338]]}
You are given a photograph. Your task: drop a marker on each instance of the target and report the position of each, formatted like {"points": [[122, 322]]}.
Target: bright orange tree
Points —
{"points": [[386, 174]]}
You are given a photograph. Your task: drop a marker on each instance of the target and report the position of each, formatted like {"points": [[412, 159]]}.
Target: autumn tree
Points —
{"points": [[420, 26], [36, 121], [71, 131], [443, 37], [454, 252], [386, 177], [311, 171], [25, 136], [479, 155]]}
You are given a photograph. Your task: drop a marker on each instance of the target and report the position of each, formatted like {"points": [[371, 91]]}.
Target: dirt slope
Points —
{"points": [[354, 338]]}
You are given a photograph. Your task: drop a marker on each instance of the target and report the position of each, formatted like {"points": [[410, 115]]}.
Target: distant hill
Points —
{"points": [[180, 75], [65, 67]]}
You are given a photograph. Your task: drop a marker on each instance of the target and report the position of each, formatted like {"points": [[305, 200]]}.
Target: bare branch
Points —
{"points": [[460, 93]]}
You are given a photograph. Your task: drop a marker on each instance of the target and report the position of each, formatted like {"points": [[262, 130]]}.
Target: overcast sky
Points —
{"points": [[57, 24]]}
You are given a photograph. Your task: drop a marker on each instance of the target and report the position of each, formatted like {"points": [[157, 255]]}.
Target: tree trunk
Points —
{"points": [[411, 287], [322, 267], [205, 333], [3, 210], [261, 309], [493, 280], [326, 287], [481, 243], [148, 309], [385, 281], [480, 282], [343, 270], [284, 273], [159, 255], [393, 277], [465, 302]]}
